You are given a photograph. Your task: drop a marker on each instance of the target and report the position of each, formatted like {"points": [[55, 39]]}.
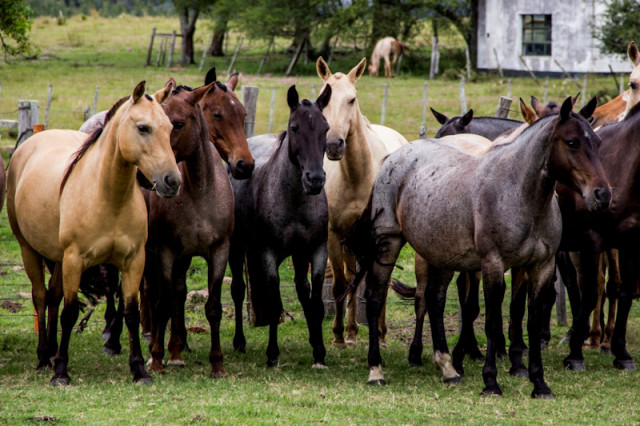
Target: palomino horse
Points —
{"points": [[355, 151], [384, 48], [466, 213], [619, 107], [591, 234], [282, 211], [75, 201], [489, 127], [197, 222]]}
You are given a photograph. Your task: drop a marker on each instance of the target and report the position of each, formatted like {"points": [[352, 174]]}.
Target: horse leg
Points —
{"points": [[272, 302], [113, 328], [387, 66], [158, 273], [145, 314], [613, 288], [339, 287], [595, 332], [54, 297], [436, 295], [516, 316], [568, 274], [630, 272], [468, 284], [311, 299], [238, 287], [494, 287], [588, 271], [382, 321], [352, 324], [130, 284], [178, 338], [422, 275], [217, 263], [541, 285]]}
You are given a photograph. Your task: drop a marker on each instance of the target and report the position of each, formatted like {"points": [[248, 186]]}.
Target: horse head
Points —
{"points": [[452, 126], [343, 112], [573, 157], [307, 133], [224, 115], [634, 78], [143, 139]]}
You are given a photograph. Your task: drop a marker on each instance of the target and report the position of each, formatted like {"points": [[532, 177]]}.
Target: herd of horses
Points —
{"points": [[160, 179]]}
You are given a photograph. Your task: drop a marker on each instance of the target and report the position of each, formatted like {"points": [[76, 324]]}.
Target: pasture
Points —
{"points": [[110, 53]]}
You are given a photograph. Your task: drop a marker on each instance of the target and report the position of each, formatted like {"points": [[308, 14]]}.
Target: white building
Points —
{"points": [[548, 35]]}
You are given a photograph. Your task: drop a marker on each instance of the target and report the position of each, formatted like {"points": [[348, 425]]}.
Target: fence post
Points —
{"points": [[27, 117], [466, 53], [273, 101], [509, 88], [95, 101], [433, 67], [423, 128], [264, 58], [233, 60], [173, 46], [503, 107], [250, 100], [86, 112], [463, 99], [621, 83], [495, 53], [384, 104], [46, 114], [153, 36]]}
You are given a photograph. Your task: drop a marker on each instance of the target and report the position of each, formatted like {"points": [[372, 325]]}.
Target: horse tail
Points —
{"points": [[99, 281], [403, 290]]}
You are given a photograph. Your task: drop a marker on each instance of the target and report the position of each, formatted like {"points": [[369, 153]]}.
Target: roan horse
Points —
{"points": [[282, 211], [355, 151], [384, 48], [489, 127], [467, 213], [75, 201], [197, 222]]}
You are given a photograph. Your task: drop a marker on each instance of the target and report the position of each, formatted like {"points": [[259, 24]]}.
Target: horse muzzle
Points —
{"points": [[313, 183], [335, 148], [168, 185], [241, 169], [599, 199]]}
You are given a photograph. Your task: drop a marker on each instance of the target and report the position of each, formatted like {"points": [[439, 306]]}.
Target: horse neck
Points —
{"points": [[281, 172], [198, 171], [357, 163]]}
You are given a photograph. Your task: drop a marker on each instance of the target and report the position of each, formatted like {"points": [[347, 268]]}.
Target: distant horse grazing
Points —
{"points": [[282, 211], [197, 222], [384, 48], [453, 209], [75, 201], [489, 127], [355, 151]]}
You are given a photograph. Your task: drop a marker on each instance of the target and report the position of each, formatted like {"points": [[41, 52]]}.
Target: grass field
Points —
{"points": [[110, 53]]}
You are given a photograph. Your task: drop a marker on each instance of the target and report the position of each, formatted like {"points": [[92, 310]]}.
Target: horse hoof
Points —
{"points": [[240, 349], [272, 363], [176, 363], [111, 351], [624, 364], [60, 381], [415, 364], [605, 351], [218, 374], [542, 395], [144, 381], [382, 343], [452, 380], [350, 342], [43, 366], [574, 365], [339, 344], [476, 355], [519, 372], [491, 392], [319, 366], [377, 382]]}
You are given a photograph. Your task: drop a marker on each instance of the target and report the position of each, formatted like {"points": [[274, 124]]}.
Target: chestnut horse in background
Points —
{"points": [[384, 48]]}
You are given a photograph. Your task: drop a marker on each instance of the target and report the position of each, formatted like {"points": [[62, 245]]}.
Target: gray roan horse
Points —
{"points": [[282, 211], [488, 213]]}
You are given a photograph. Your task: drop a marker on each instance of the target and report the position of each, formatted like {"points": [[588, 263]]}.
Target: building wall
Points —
{"points": [[573, 46]]}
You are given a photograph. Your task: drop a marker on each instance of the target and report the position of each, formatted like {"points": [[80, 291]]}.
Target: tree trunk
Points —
{"points": [[219, 30], [188, 28]]}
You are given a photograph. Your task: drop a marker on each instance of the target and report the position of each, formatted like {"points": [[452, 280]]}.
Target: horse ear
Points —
{"points": [[528, 114], [162, 94], [632, 52], [233, 81], [357, 71], [466, 119], [195, 95], [565, 110], [292, 98], [323, 99], [575, 98], [440, 117], [210, 77], [537, 106], [138, 91], [323, 69], [588, 109]]}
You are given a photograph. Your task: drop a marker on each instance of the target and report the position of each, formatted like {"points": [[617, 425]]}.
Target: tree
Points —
{"points": [[188, 12], [621, 25], [222, 13], [15, 25]]}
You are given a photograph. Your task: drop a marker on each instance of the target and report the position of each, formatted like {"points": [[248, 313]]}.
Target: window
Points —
{"points": [[536, 35]]}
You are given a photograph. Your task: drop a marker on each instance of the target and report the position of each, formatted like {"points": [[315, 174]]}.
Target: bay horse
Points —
{"points": [[593, 233], [489, 127], [74, 201], [453, 209], [282, 211], [384, 48], [197, 222], [355, 151]]}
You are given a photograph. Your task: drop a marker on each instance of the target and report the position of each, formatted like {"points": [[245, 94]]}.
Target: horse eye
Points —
{"points": [[352, 101], [633, 85], [143, 128], [217, 115], [294, 128], [573, 143], [178, 125]]}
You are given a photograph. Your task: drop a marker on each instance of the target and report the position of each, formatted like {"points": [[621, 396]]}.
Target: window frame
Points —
{"points": [[535, 28]]}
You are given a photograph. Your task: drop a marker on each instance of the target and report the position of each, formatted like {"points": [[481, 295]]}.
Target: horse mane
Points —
{"points": [[221, 86], [180, 89], [91, 139], [536, 124]]}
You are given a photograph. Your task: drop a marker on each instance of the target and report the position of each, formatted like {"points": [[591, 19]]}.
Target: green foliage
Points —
{"points": [[621, 25], [15, 25]]}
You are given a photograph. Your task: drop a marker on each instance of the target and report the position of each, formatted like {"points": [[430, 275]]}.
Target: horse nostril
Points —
{"points": [[171, 181], [240, 165], [602, 195]]}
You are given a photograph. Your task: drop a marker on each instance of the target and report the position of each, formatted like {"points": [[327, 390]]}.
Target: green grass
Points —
{"points": [[110, 53]]}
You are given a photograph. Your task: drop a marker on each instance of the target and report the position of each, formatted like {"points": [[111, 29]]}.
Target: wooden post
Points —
{"points": [[266, 54], [463, 99], [613, 76], [250, 100], [335, 43], [466, 54], [95, 101], [153, 36], [495, 53], [433, 68], [529, 70], [384, 103], [621, 83], [173, 46], [86, 111], [273, 101], [561, 301], [509, 88], [546, 90], [46, 114], [503, 107], [27, 117], [294, 59], [160, 51], [423, 128], [398, 64], [584, 90], [233, 59], [204, 53]]}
